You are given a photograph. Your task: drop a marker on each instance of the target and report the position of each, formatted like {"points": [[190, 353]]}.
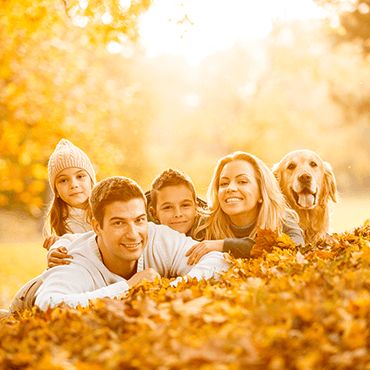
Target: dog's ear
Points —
{"points": [[276, 171], [330, 182]]}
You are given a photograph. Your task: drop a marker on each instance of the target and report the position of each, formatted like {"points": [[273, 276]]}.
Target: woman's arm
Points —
{"points": [[237, 247]]}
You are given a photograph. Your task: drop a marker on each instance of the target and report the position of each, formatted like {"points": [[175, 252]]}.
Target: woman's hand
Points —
{"points": [[48, 242], [197, 251], [58, 257]]}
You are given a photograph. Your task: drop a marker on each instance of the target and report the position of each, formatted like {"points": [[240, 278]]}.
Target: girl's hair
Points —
{"points": [[58, 214], [273, 211]]}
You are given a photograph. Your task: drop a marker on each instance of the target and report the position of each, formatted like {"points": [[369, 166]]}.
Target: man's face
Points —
{"points": [[123, 235]]}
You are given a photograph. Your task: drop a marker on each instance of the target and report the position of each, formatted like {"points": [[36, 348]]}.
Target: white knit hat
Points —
{"points": [[67, 155]]}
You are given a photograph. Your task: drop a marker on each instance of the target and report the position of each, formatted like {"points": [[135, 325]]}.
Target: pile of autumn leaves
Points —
{"points": [[282, 309]]}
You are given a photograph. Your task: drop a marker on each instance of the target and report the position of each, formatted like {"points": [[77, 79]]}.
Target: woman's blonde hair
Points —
{"points": [[273, 210]]}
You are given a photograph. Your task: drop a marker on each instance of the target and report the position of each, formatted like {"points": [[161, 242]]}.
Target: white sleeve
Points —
{"points": [[173, 247], [72, 286], [64, 241], [210, 265]]}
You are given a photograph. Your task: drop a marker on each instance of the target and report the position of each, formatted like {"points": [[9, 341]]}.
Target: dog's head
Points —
{"points": [[305, 179]]}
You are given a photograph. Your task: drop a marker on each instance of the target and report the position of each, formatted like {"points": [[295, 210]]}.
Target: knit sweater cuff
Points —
{"points": [[239, 248]]}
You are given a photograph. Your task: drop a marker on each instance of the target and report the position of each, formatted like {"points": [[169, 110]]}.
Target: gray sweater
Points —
{"points": [[241, 247]]}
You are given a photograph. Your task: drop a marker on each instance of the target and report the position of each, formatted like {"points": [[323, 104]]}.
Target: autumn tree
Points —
{"points": [[63, 73], [350, 21]]}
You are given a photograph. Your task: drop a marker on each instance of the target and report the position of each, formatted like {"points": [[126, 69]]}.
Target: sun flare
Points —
{"points": [[195, 29]]}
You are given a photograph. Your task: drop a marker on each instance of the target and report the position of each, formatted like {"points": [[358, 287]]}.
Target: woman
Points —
{"points": [[243, 196]]}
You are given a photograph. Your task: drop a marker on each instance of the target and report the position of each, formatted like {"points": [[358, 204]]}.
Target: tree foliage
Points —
{"points": [[354, 21], [283, 309], [292, 91], [69, 69], [56, 81]]}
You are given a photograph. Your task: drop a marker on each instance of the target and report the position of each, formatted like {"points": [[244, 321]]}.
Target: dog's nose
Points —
{"points": [[305, 178]]}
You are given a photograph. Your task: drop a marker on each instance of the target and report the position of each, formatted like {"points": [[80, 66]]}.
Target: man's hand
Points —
{"points": [[197, 251], [58, 257], [145, 275]]}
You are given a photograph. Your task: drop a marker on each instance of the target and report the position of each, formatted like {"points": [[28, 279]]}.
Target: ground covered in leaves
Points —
{"points": [[282, 309]]}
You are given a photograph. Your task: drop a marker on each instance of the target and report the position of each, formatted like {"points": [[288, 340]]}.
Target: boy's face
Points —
{"points": [[176, 208], [124, 233]]}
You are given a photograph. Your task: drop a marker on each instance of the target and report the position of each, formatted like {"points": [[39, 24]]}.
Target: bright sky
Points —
{"points": [[214, 24]]}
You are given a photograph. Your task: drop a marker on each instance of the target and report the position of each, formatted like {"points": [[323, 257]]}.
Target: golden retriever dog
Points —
{"points": [[308, 184]]}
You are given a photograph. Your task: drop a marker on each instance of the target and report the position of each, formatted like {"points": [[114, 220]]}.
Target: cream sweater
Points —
{"points": [[87, 277], [76, 221]]}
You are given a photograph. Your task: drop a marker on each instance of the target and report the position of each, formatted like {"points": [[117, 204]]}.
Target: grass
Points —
{"points": [[20, 262], [351, 211]]}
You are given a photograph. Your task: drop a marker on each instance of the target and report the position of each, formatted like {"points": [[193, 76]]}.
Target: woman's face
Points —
{"points": [[238, 192], [176, 207]]}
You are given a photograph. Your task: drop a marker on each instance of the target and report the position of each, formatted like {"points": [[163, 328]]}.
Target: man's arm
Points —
{"points": [[73, 285], [67, 240], [171, 248], [210, 265]]}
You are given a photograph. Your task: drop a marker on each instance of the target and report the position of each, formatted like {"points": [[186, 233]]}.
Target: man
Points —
{"points": [[123, 250]]}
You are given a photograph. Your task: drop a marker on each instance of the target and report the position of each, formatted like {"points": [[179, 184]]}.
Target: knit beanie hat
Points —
{"points": [[67, 155]]}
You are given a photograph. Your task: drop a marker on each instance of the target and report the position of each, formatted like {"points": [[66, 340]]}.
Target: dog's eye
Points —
{"points": [[291, 166], [313, 164]]}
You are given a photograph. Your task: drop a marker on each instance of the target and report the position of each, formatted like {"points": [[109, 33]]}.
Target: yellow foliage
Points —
{"points": [[46, 92], [269, 312]]}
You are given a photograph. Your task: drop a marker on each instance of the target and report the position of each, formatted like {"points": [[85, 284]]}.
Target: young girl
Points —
{"points": [[71, 178], [243, 196], [172, 201]]}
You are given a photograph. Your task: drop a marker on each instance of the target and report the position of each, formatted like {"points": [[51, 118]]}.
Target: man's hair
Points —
{"points": [[113, 189]]}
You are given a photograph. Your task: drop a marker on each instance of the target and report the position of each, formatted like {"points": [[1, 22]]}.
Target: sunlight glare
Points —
{"points": [[195, 29]]}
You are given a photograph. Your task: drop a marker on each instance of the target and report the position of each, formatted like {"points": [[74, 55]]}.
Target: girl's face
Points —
{"points": [[73, 185], [176, 208], [238, 192]]}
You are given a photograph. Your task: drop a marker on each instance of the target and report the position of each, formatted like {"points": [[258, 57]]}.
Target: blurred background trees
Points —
{"points": [[60, 77], [350, 21], [74, 69]]}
